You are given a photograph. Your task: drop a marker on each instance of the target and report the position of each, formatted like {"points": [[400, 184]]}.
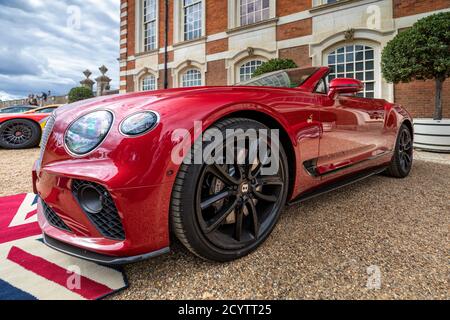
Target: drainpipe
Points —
{"points": [[166, 46]]}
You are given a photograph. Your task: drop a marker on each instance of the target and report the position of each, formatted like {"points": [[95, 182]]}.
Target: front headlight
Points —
{"points": [[139, 123], [88, 132]]}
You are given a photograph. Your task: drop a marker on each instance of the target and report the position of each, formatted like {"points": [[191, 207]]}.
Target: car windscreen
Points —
{"points": [[291, 78], [15, 110]]}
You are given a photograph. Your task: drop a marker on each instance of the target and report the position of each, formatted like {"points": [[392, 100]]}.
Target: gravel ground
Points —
{"points": [[15, 171], [327, 248]]}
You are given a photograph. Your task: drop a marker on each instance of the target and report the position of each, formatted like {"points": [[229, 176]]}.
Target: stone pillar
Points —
{"points": [[103, 82], [87, 83]]}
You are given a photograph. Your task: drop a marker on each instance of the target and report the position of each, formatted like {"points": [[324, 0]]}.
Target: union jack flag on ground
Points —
{"points": [[29, 270]]}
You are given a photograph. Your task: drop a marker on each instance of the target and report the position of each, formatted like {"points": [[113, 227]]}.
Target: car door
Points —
{"points": [[352, 132]]}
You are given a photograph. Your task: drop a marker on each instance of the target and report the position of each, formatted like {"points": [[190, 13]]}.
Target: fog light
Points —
{"points": [[91, 200]]}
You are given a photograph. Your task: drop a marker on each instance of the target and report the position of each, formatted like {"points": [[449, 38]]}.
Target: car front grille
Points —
{"points": [[107, 221], [45, 136], [53, 218]]}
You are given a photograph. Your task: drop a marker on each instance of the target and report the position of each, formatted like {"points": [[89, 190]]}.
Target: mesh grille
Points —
{"points": [[106, 221], [53, 218], [45, 136]]}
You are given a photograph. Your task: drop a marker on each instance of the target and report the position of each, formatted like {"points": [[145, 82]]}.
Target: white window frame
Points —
{"points": [[185, 72], [317, 3], [144, 77], [245, 62], [178, 20], [152, 46], [140, 31], [376, 59], [234, 63], [234, 13], [256, 13]]}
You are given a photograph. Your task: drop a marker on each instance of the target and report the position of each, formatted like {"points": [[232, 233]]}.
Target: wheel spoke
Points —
{"points": [[402, 161], [255, 219], [219, 218], [223, 175], [254, 173], [407, 158], [239, 223], [215, 198], [270, 181], [408, 146], [264, 197]]}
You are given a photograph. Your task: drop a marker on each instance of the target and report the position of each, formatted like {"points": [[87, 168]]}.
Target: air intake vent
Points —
{"points": [[53, 218], [45, 136], [99, 206]]}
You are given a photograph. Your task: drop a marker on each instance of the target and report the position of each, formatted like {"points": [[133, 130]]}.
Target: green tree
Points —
{"points": [[274, 65], [80, 93], [420, 53]]}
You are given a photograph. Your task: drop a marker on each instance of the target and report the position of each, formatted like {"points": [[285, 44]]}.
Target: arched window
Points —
{"points": [[354, 61], [247, 69], [149, 83], [191, 78]]}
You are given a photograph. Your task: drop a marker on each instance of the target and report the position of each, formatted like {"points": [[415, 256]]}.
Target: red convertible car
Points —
{"points": [[112, 192]]}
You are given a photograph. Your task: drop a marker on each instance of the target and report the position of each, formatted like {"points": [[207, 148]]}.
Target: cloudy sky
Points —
{"points": [[46, 45]]}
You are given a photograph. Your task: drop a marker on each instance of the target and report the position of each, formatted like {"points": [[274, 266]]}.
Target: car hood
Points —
{"points": [[133, 102]]}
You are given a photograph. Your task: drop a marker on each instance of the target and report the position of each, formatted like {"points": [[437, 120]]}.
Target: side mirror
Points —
{"points": [[344, 85]]}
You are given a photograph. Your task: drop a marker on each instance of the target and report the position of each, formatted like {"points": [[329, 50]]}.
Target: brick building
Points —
{"points": [[221, 42]]}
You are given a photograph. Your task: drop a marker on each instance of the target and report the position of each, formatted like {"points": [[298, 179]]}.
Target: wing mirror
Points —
{"points": [[344, 85]]}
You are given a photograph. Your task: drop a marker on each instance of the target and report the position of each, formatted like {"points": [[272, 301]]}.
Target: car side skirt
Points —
{"points": [[348, 180]]}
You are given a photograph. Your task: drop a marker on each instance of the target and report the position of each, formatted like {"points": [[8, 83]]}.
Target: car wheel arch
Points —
{"points": [[270, 122]]}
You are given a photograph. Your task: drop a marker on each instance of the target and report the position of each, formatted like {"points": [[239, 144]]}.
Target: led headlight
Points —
{"points": [[88, 132], [139, 123]]}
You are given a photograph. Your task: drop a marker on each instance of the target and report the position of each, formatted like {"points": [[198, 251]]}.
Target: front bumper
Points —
{"points": [[143, 212], [96, 257]]}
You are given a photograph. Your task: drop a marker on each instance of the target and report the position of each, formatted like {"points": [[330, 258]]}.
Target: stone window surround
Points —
{"points": [[179, 70], [374, 38], [138, 77], [234, 64]]}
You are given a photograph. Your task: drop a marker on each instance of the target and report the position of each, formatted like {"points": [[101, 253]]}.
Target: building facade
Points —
{"points": [[222, 42]]}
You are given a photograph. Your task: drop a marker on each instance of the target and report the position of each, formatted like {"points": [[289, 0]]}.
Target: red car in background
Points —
{"points": [[111, 192], [23, 130]]}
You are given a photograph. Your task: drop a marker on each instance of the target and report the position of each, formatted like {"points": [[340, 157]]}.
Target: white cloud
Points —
{"points": [[4, 96], [41, 50]]}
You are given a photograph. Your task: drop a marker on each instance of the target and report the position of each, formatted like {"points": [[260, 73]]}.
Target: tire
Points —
{"points": [[255, 215], [19, 134], [402, 161]]}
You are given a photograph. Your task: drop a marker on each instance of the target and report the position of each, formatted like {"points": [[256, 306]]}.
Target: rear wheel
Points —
{"points": [[222, 212], [19, 134], [402, 160]]}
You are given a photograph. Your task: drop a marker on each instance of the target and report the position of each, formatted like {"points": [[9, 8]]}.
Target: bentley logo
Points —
{"points": [[245, 188], [310, 119]]}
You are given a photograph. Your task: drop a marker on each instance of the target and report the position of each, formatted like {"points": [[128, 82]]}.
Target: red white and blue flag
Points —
{"points": [[29, 270]]}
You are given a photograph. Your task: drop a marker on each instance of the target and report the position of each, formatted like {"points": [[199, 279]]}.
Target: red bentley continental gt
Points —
{"points": [[113, 188]]}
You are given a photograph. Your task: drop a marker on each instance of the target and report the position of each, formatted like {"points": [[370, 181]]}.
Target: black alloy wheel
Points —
{"points": [[402, 161], [19, 134], [222, 212]]}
